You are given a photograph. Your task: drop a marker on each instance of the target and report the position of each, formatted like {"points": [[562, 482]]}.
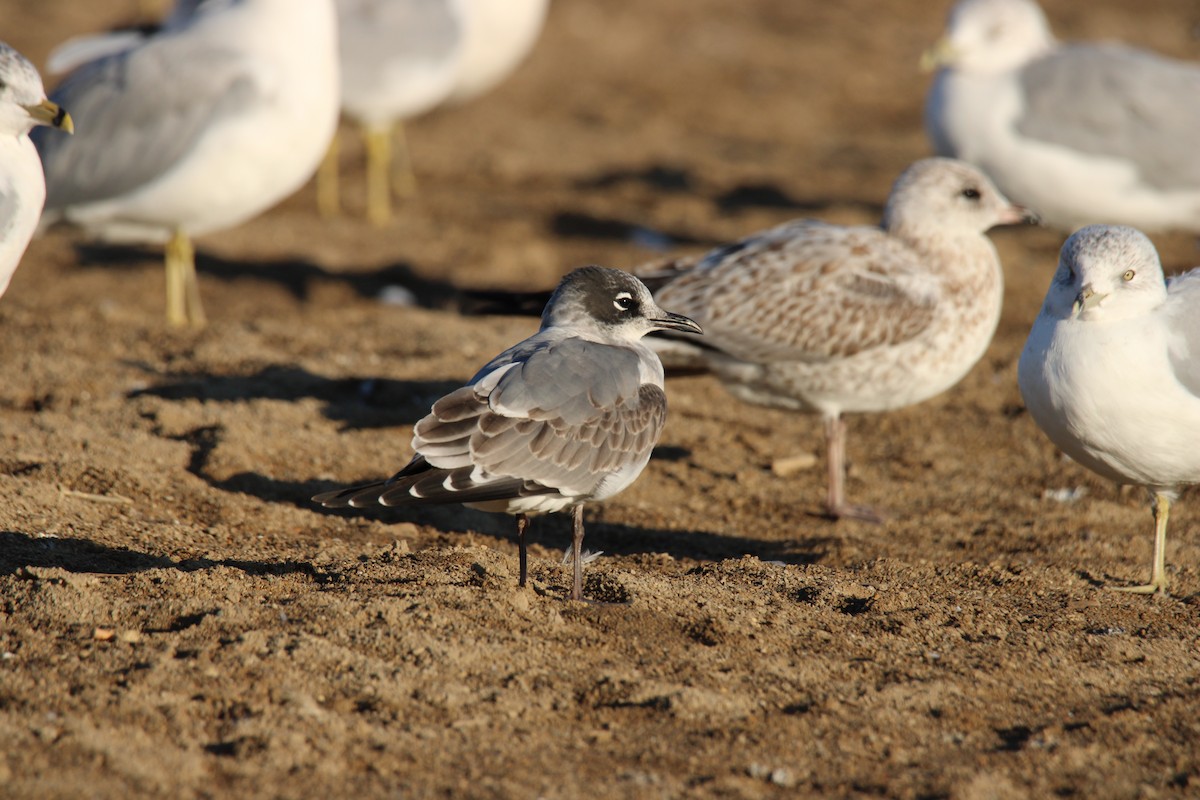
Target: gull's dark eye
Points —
{"points": [[971, 193], [623, 301]]}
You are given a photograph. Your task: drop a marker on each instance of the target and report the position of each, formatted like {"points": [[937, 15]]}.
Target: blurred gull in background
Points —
{"points": [[196, 128], [499, 34], [402, 58], [1081, 133], [23, 105], [399, 59]]}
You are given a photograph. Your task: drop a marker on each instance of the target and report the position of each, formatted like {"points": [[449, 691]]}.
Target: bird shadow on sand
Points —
{"points": [[296, 276], [552, 531], [356, 402], [20, 552]]}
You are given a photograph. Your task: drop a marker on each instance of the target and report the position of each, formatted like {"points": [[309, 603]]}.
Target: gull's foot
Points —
{"points": [[1159, 587]]}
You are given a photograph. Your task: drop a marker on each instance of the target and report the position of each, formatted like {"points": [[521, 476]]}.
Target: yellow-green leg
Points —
{"points": [[1158, 573], [404, 180], [328, 186], [379, 163], [183, 291]]}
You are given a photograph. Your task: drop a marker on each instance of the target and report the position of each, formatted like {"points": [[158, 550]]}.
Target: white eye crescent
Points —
{"points": [[623, 301]]}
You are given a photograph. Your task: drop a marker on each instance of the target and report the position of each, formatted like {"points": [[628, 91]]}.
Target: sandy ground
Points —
{"points": [[177, 619]]}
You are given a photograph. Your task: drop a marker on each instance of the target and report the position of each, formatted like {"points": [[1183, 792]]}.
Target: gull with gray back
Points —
{"points": [[566, 417], [195, 128], [1083, 132], [1111, 369]]}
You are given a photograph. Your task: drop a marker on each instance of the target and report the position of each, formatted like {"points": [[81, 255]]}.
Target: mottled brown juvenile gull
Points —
{"points": [[23, 105], [196, 128], [1084, 133], [1111, 370], [832, 319], [568, 416]]}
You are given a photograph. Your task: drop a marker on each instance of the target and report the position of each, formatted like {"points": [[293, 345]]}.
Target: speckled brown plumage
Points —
{"points": [[827, 318]]}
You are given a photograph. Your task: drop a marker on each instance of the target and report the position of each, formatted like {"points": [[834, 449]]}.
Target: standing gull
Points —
{"points": [[1111, 370], [1084, 133], [399, 59], [566, 417], [830, 319], [196, 128], [23, 105], [498, 36]]}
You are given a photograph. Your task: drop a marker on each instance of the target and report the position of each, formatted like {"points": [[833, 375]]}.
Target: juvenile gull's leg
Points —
{"points": [[576, 553], [835, 503]]}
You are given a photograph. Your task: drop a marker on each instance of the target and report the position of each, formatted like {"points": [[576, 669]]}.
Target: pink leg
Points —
{"points": [[577, 553], [835, 501]]}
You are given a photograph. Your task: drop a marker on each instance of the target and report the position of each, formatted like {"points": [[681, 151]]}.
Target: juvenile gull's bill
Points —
{"points": [[1082, 132], [195, 128], [23, 105], [1111, 369], [566, 417], [832, 319]]}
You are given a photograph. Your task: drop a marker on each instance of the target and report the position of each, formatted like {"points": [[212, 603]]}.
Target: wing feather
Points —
{"points": [[1115, 101], [138, 113], [806, 291], [1183, 303], [564, 419]]}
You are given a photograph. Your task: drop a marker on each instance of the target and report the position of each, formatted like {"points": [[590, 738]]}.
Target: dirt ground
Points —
{"points": [[177, 619]]}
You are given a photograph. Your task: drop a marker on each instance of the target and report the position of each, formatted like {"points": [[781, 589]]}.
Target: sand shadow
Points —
{"points": [[21, 551], [296, 276], [359, 402], [551, 531]]}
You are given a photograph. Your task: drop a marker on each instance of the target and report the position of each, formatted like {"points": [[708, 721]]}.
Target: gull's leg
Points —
{"points": [[835, 501], [576, 553], [191, 285], [328, 188], [404, 180], [379, 161], [522, 556], [175, 256], [1158, 573]]}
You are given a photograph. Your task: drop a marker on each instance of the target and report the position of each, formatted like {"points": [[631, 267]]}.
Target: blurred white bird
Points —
{"points": [[499, 34], [402, 58], [197, 127], [399, 59], [23, 105], [1081, 133]]}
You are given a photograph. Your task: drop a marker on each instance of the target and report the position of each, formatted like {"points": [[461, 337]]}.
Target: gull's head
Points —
{"points": [[938, 196], [23, 102], [986, 36], [609, 305], [1106, 272]]}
